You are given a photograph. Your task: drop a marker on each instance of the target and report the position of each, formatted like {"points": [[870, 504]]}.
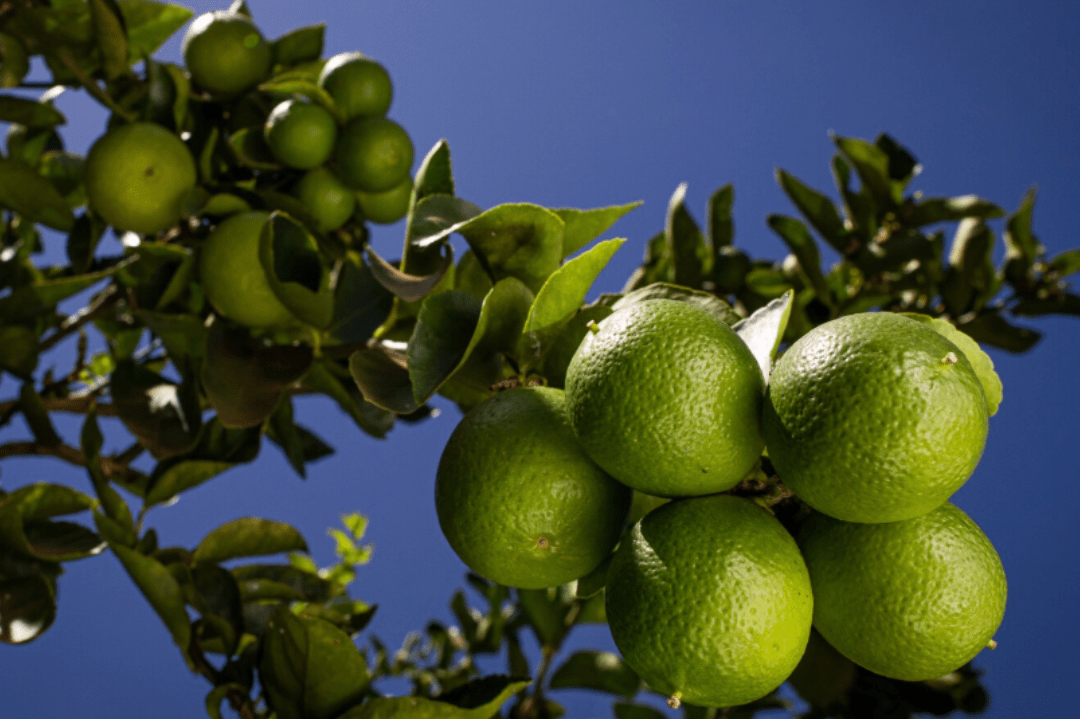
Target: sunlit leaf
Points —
{"points": [[29, 113], [299, 45], [163, 415], [478, 699], [763, 330], [161, 590], [599, 671], [27, 608], [410, 288], [25, 191], [685, 240], [248, 537], [584, 226]]}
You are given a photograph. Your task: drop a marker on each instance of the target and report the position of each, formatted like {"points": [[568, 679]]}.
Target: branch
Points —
{"points": [[78, 404], [109, 465], [91, 312], [92, 87]]}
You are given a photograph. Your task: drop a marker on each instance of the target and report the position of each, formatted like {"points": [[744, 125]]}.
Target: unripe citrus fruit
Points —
{"points": [[137, 177], [300, 134], [709, 600], [360, 86], [667, 399], [225, 53], [517, 498], [326, 197], [874, 417], [233, 277], [910, 600], [389, 206], [373, 154]]}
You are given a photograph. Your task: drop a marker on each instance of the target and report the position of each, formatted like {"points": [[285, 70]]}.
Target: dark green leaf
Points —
{"points": [[325, 378], [562, 347], [18, 350], [1022, 247], [767, 282], [502, 317], [661, 290], [686, 243], [361, 304], [947, 209], [443, 333], [584, 226], [171, 480], [42, 500], [432, 218], [164, 416], [306, 88], [1065, 303], [27, 608], [116, 511], [28, 193], [464, 702], [435, 176], [37, 417], [29, 113], [307, 586], [802, 245], [545, 613], [61, 541], [83, 240], [251, 149], [183, 335], [110, 37], [1065, 263], [410, 288], [218, 449], [248, 537], [299, 445], [600, 671], [990, 328], [721, 226], [902, 164], [763, 331], [383, 378], [816, 207], [28, 300], [299, 45], [636, 711], [872, 165], [150, 24], [160, 589], [293, 264]]}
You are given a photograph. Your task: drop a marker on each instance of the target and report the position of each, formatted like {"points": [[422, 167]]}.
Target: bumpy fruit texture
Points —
{"points": [[518, 500], [360, 86], [373, 154], [225, 54], [137, 177], [709, 599], [300, 134], [667, 399], [910, 600], [874, 417]]}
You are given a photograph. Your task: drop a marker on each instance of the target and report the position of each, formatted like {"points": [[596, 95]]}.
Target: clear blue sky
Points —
{"points": [[589, 104]]}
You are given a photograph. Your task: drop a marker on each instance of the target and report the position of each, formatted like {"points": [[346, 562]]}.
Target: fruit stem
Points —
{"points": [[675, 700], [991, 645]]}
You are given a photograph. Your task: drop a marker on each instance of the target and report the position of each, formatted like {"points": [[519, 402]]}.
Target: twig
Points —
{"points": [[109, 465], [78, 405], [91, 312], [92, 87]]}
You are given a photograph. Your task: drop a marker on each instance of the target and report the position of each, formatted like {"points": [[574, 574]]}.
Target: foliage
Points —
{"points": [[381, 338]]}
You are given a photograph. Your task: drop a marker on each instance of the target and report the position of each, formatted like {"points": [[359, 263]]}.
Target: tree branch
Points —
{"points": [[109, 465], [78, 405], [92, 87], [91, 312]]}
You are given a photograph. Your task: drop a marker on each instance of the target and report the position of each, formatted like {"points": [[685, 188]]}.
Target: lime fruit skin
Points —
{"points": [[518, 500], [225, 53], [874, 417], [911, 600], [300, 134], [373, 154], [360, 86], [326, 197], [137, 177], [667, 399], [233, 277], [708, 598], [387, 207]]}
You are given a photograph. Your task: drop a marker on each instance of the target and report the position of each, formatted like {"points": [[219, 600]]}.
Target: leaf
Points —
{"points": [[561, 348], [310, 669], [599, 671], [248, 537], [802, 245], [292, 261], [544, 613], [254, 578], [116, 511], [299, 45], [1065, 264], [28, 300], [31, 195], [164, 416], [979, 360], [435, 176], [305, 88], [763, 331], [686, 243], [478, 699], [816, 207], [990, 328], [382, 379], [18, 350], [37, 417], [162, 590], [300, 445], [662, 290], [767, 281], [432, 218], [110, 37], [61, 541], [584, 226], [27, 608], [251, 150], [503, 316], [440, 340], [150, 24], [181, 476], [361, 303], [218, 449], [410, 288], [1021, 245], [29, 113], [721, 227], [1066, 303], [42, 500], [872, 165], [324, 378], [902, 164], [947, 209]]}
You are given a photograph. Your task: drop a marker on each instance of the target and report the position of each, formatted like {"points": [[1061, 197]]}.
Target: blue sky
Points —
{"points": [[590, 104]]}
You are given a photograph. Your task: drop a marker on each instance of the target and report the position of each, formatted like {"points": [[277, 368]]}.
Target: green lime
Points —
{"points": [[373, 154], [910, 600], [518, 500], [360, 86], [667, 399], [225, 53], [137, 177], [874, 417], [386, 207], [708, 599], [233, 278], [300, 134], [326, 197]]}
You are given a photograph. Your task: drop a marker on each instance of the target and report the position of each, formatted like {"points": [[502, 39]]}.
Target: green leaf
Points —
{"points": [[150, 24], [27, 608], [767, 281], [972, 280], [180, 476], [439, 342], [300, 445], [661, 290], [299, 45], [503, 316], [161, 589], [687, 244], [325, 378], [721, 226], [293, 264], [990, 328], [584, 226], [1065, 263], [29, 113], [478, 699], [382, 376], [599, 671], [872, 165], [310, 669], [218, 449], [110, 37], [410, 288], [28, 193], [254, 578], [116, 511], [763, 331], [1022, 247], [42, 500], [18, 350], [361, 303], [802, 245], [1065, 303], [561, 348], [164, 416], [902, 164], [37, 417], [816, 207], [183, 335], [306, 88], [248, 537], [251, 150], [948, 209], [544, 613], [28, 300], [61, 541], [979, 360], [435, 176]]}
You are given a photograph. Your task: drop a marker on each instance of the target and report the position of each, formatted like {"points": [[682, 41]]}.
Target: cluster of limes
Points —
{"points": [[873, 420], [344, 158]]}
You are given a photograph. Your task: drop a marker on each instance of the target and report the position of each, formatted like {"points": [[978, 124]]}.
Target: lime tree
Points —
{"points": [[225, 53], [360, 86], [373, 154], [300, 134], [326, 197]]}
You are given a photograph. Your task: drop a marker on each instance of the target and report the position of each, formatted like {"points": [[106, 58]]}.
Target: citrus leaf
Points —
{"points": [[373, 420], [253, 579], [18, 350], [763, 330], [872, 166], [947, 209], [181, 476], [110, 37], [979, 360], [767, 282], [27, 608], [721, 227], [584, 226], [293, 264], [993, 329], [299, 45], [440, 340], [599, 671], [61, 541], [435, 176], [361, 303], [28, 300], [164, 416], [248, 537], [687, 244], [561, 348], [1066, 303], [117, 514], [305, 88], [28, 193], [410, 288], [502, 316], [432, 219], [218, 449], [149, 24], [250, 148], [162, 590], [802, 245], [662, 290], [29, 113], [817, 208], [37, 417], [42, 500], [383, 379], [478, 699]]}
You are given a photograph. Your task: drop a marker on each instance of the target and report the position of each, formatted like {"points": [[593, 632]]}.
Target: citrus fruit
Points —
{"points": [[910, 600], [708, 599], [137, 177], [225, 53], [326, 197], [518, 500], [233, 277], [386, 207], [14, 64], [874, 417], [360, 86], [667, 399], [373, 154], [300, 134]]}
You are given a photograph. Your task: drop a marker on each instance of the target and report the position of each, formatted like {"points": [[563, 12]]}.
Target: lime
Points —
{"points": [[137, 177], [233, 278], [360, 86], [708, 599], [225, 53], [300, 134], [910, 600], [518, 500], [874, 417], [326, 197], [386, 207], [667, 399], [374, 154]]}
